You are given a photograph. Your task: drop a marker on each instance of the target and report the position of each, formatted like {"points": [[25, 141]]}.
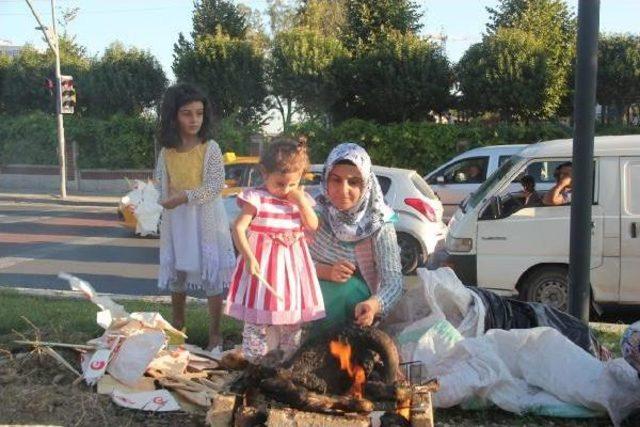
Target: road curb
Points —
{"points": [[65, 294], [52, 199]]}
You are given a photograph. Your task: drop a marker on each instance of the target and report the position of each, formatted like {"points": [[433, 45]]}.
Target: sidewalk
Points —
{"points": [[72, 199]]}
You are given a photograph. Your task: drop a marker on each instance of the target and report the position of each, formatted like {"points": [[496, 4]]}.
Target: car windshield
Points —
{"points": [[495, 177]]}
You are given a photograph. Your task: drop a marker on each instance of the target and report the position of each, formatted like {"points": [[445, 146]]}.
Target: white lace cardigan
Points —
{"points": [[218, 258]]}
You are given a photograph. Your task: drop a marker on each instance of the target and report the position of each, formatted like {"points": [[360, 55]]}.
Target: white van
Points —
{"points": [[496, 243], [452, 181]]}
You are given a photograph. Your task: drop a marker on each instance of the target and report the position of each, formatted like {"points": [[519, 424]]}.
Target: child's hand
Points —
{"points": [[297, 195], [175, 200], [252, 265]]}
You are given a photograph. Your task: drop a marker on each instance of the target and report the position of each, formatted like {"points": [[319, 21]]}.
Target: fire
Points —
{"points": [[342, 352]]}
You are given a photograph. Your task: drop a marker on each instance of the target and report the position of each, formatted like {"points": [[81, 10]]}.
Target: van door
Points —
{"points": [[630, 230], [536, 236]]}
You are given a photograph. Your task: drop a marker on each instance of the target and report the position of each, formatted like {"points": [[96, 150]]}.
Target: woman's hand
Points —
{"points": [[341, 271], [175, 199], [365, 311]]}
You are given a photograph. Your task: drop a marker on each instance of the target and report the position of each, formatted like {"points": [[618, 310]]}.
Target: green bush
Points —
{"points": [[124, 142], [421, 145], [119, 142]]}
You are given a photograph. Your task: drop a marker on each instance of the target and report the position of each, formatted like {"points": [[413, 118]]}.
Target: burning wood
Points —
{"points": [[342, 351]]}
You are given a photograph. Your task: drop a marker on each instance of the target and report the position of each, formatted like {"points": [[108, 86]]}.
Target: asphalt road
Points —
{"points": [[40, 239]]}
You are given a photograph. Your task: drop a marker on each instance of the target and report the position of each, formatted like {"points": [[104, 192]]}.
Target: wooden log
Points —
{"points": [[292, 418], [284, 390], [248, 416], [421, 405], [221, 412], [379, 391]]}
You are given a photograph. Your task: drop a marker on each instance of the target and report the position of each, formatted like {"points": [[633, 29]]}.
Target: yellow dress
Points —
{"points": [[185, 168]]}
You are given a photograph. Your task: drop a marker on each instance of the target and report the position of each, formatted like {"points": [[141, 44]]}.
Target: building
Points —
{"points": [[8, 48]]}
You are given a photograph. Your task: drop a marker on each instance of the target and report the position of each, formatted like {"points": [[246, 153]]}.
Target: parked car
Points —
{"points": [[240, 172], [456, 179], [497, 243], [419, 226]]}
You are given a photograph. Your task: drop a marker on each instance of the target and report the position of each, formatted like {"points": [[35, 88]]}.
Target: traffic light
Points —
{"points": [[68, 95]]}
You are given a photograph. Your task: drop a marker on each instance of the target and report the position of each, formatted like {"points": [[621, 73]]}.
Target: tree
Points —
{"points": [[5, 63], [218, 17], [552, 24], [123, 81], [618, 72], [508, 73], [326, 17], [368, 21], [23, 89], [282, 16], [401, 77], [230, 71], [301, 72]]}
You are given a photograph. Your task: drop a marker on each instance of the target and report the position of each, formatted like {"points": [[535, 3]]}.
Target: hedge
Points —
{"points": [[119, 142], [122, 142]]}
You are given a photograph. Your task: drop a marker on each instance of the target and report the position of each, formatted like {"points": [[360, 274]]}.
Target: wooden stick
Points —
{"points": [[61, 359], [56, 344], [269, 287]]}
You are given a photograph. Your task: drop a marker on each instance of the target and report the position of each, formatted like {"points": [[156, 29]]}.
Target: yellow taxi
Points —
{"points": [[239, 171]]}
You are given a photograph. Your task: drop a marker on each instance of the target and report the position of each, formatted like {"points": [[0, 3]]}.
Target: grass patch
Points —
{"points": [[74, 321]]}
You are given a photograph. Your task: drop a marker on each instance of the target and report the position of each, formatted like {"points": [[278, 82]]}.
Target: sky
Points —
{"points": [[154, 25]]}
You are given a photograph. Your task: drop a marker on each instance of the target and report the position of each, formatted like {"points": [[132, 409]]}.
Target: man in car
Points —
{"points": [[560, 194]]}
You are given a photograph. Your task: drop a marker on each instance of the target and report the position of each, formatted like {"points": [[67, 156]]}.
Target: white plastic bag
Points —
{"points": [[538, 371], [449, 299], [110, 310], [147, 211]]}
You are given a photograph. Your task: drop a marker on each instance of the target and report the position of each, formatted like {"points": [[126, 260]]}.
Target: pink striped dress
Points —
{"points": [[277, 240]]}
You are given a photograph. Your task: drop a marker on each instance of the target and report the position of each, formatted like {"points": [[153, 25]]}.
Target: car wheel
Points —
{"points": [[548, 285], [409, 253]]}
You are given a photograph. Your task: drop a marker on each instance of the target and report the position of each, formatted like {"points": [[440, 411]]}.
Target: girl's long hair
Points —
{"points": [[175, 98]]}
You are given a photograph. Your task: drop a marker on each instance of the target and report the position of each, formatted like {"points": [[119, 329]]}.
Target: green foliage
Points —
{"points": [[23, 86], [508, 73], [554, 26], [232, 135], [119, 142], [218, 17], [326, 17], [618, 71], [123, 81], [400, 77], [368, 22], [230, 71], [420, 145], [301, 69]]}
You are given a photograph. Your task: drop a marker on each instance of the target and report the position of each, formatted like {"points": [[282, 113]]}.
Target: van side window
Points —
{"points": [[465, 171], [632, 181]]}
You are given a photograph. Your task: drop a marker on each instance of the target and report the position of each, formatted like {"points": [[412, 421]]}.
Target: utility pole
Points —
{"points": [[584, 113], [51, 35]]}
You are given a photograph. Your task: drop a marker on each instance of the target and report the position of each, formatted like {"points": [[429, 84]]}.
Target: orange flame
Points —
{"points": [[342, 351]]}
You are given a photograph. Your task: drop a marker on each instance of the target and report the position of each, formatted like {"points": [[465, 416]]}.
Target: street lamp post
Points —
{"points": [[52, 39], [582, 179]]}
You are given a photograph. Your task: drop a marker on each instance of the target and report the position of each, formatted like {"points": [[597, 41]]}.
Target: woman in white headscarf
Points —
{"points": [[355, 248]]}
